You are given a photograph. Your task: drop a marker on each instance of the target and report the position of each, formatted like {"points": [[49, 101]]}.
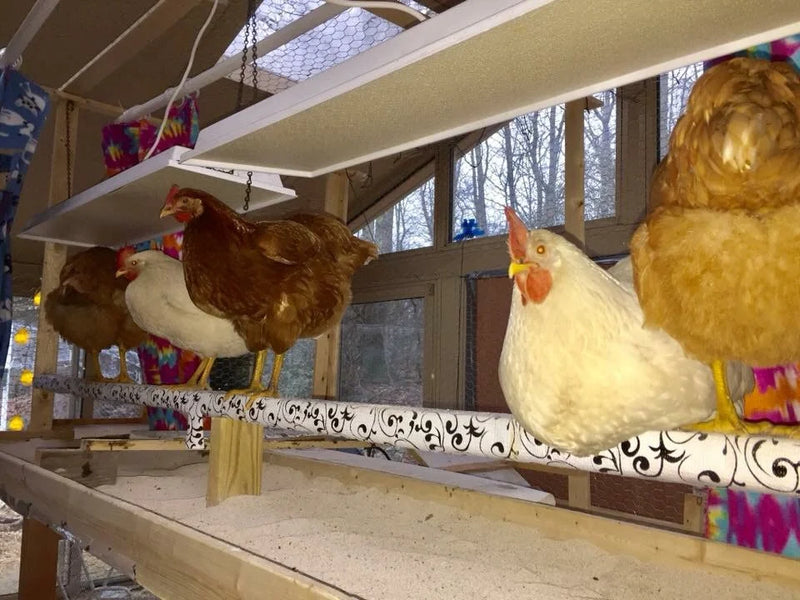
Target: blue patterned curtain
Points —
{"points": [[23, 109]]}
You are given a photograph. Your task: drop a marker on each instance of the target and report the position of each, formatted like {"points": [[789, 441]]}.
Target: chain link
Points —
{"points": [[250, 41], [68, 144], [253, 48], [247, 189], [243, 68]]}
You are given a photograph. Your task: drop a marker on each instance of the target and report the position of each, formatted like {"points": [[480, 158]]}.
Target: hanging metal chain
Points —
{"points": [[247, 188], [243, 68], [253, 46], [68, 144], [250, 41]]}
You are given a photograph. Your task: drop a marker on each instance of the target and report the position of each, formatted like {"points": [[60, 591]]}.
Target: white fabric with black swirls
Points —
{"points": [[697, 459]]}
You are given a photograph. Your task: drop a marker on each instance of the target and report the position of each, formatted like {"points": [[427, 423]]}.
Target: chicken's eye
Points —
{"points": [[134, 262], [540, 249]]}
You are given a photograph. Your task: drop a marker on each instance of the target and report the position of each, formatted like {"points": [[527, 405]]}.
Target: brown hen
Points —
{"points": [[717, 260], [88, 308], [276, 281]]}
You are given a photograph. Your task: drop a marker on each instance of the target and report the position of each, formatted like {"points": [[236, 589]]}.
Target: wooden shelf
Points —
{"points": [[124, 209], [478, 64]]}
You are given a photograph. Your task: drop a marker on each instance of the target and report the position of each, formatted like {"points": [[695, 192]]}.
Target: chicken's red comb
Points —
{"points": [[172, 191], [123, 254]]}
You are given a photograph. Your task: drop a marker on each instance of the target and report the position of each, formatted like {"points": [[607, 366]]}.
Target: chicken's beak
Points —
{"points": [[169, 204], [121, 272], [166, 211], [515, 268]]}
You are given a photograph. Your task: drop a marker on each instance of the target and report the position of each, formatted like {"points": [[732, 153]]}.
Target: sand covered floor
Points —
{"points": [[383, 546]]}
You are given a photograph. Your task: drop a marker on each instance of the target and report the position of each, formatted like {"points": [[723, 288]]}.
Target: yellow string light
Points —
{"points": [[22, 336], [37, 298], [16, 423], [26, 377]]}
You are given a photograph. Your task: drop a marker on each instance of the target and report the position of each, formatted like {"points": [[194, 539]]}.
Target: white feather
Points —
{"points": [[579, 370], [160, 304]]}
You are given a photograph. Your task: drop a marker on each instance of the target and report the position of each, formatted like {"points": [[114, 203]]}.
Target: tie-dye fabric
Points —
{"points": [[126, 144], [786, 49]]}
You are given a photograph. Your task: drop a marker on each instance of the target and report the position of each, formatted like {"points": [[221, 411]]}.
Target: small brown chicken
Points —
{"points": [[276, 281], [717, 261], [88, 309]]}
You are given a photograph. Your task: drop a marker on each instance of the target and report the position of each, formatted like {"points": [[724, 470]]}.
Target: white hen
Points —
{"points": [[159, 303], [578, 370]]}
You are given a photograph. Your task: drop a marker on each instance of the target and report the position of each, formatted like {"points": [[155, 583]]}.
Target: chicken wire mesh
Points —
{"points": [[325, 46]]}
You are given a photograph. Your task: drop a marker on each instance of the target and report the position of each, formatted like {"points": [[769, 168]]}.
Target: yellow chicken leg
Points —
{"points": [[93, 370], [272, 390], [123, 376], [727, 419], [255, 381], [199, 379]]}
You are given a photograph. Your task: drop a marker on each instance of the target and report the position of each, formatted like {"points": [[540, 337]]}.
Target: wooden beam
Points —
{"points": [[179, 444], [54, 257], [574, 223], [166, 557], [38, 562], [235, 461], [115, 445], [148, 28], [326, 357], [96, 106]]}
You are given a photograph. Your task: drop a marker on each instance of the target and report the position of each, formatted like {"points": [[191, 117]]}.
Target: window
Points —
{"points": [[346, 35], [17, 389], [674, 88], [381, 353], [522, 165], [406, 225]]}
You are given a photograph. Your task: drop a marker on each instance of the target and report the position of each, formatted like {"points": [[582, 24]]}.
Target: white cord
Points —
{"points": [[381, 4], [183, 80]]}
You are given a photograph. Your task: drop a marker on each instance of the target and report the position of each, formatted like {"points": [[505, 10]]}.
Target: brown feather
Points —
{"points": [[88, 307], [277, 281]]}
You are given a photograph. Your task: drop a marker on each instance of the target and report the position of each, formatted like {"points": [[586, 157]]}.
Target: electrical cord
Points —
{"points": [[183, 79], [380, 4]]}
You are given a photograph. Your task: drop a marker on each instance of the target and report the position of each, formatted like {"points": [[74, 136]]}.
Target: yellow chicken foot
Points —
{"points": [[123, 376], [272, 390], [255, 381], [727, 419]]}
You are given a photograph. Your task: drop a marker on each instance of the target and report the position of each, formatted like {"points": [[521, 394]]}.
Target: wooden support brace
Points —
{"points": [[54, 257], [38, 565], [326, 358], [694, 513], [579, 490], [235, 461], [574, 172]]}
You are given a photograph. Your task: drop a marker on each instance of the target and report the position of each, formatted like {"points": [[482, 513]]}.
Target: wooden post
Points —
{"points": [[579, 490], [326, 358], [54, 257], [234, 464], [38, 565], [694, 512], [574, 172]]}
